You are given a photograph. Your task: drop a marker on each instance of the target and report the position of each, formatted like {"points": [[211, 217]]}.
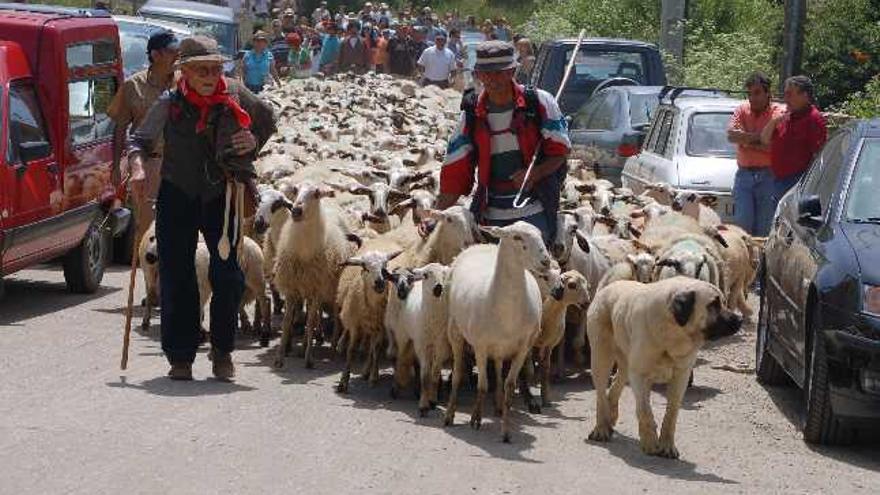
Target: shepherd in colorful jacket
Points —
{"points": [[501, 129]]}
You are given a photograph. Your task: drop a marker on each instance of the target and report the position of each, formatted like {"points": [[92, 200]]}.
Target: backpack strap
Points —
{"points": [[533, 110]]}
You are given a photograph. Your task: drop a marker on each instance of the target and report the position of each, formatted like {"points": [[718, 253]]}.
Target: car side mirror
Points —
{"points": [[810, 212], [33, 150]]}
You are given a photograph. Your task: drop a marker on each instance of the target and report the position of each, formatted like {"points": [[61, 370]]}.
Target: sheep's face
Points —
{"points": [[686, 264], [551, 282], [661, 192], [576, 289], [151, 254], [434, 277], [602, 200], [525, 240], [643, 265], [402, 280], [308, 200], [419, 200], [373, 268], [382, 197], [455, 225], [271, 201], [567, 225]]}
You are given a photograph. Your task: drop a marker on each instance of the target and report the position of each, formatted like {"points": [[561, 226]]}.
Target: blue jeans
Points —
{"points": [[753, 200], [781, 186]]}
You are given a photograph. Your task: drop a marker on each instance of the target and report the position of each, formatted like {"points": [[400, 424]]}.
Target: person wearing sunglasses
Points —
{"points": [[213, 129], [128, 109]]}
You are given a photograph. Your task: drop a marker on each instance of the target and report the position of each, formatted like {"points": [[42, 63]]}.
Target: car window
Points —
{"points": [[654, 131], [641, 108], [583, 119], [833, 159], [25, 121], [97, 52], [593, 64], [662, 147], [134, 51], [707, 135], [861, 202], [88, 100], [225, 34]]}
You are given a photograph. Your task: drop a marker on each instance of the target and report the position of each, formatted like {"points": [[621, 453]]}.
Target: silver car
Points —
{"points": [[687, 147]]}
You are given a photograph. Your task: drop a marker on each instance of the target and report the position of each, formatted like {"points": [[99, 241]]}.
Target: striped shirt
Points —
{"points": [[506, 160]]}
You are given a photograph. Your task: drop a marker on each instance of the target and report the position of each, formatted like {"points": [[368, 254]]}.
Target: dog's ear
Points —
{"points": [[683, 306]]}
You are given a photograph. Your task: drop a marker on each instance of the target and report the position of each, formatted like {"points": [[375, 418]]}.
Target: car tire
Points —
{"points": [[84, 265], [767, 368], [820, 426]]}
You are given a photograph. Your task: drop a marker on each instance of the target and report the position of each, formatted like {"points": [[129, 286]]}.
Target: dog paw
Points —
{"points": [[278, 363], [650, 446], [505, 437], [601, 434], [666, 450], [342, 387], [423, 412]]}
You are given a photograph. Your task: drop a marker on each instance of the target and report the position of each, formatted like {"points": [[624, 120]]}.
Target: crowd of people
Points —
{"points": [[407, 43]]}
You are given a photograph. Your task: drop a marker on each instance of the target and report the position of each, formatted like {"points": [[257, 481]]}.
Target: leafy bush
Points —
{"points": [[864, 104]]}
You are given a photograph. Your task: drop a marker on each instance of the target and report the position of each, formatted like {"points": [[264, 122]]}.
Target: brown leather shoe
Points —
{"points": [[222, 365], [181, 371]]}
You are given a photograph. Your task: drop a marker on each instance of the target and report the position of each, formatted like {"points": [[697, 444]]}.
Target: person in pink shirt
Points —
{"points": [[753, 197]]}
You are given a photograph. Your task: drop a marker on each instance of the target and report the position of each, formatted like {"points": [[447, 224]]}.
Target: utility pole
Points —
{"points": [[792, 39], [672, 16]]}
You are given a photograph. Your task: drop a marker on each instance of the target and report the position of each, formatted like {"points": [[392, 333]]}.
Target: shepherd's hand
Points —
{"points": [[244, 142]]}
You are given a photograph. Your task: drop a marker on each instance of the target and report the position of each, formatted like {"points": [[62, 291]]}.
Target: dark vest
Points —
{"points": [[189, 161]]}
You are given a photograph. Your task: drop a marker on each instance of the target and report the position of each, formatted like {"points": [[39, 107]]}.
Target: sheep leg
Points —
{"points": [[313, 321], [509, 388], [375, 345], [457, 346], [148, 314], [545, 376], [499, 388], [601, 362], [263, 317], [559, 372], [277, 302], [426, 373], [244, 323], [526, 376], [349, 357], [482, 388], [286, 330]]}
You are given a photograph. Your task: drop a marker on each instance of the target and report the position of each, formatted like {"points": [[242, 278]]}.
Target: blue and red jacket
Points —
{"points": [[547, 134]]}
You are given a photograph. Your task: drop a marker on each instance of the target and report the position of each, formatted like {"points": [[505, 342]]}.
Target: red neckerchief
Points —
{"points": [[204, 103]]}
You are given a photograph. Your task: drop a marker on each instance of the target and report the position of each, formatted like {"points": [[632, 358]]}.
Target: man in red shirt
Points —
{"points": [[794, 136]]}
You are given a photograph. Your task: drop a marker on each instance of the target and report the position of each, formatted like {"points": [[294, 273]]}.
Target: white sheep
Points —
{"points": [[495, 307], [639, 267], [576, 292], [416, 319], [311, 249], [361, 301]]}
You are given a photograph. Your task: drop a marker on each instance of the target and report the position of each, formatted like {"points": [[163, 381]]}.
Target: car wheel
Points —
{"points": [[767, 368], [84, 265], [820, 425]]}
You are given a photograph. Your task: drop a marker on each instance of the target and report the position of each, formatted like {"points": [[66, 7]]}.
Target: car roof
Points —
{"points": [[53, 10], [196, 10], [604, 41], [150, 25], [685, 102], [869, 128], [635, 90]]}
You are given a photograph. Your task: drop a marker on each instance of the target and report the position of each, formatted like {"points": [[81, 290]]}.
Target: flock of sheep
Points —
{"points": [[348, 178]]}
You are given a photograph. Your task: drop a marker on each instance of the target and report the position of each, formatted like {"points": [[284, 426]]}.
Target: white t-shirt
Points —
{"points": [[438, 64]]}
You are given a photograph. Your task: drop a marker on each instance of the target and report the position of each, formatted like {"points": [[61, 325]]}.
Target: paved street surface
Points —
{"points": [[71, 422]]}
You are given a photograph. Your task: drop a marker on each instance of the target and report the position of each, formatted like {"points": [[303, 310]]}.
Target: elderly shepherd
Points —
{"points": [[501, 129], [212, 130]]}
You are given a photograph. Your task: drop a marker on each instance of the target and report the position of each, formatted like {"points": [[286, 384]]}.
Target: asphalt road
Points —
{"points": [[71, 422]]}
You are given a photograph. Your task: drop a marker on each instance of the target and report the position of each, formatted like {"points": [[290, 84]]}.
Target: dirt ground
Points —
{"points": [[71, 422]]}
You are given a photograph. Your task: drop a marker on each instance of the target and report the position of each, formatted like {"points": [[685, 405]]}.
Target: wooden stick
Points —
{"points": [[126, 338]]}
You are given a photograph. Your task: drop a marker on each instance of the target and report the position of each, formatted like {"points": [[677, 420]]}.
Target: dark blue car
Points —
{"points": [[819, 321]]}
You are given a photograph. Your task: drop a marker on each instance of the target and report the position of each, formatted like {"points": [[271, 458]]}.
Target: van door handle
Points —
{"points": [[52, 168], [20, 169]]}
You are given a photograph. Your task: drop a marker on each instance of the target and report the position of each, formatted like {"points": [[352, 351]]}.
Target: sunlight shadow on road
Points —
{"points": [[628, 450], [26, 299], [164, 386]]}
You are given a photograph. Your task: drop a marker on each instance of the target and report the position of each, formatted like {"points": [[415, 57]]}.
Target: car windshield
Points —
{"points": [[707, 135], [598, 65], [225, 34], [862, 203], [641, 108]]}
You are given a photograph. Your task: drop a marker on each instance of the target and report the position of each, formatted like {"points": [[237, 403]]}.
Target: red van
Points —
{"points": [[59, 69]]}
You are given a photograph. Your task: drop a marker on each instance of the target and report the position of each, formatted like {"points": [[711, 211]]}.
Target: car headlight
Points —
{"points": [[871, 299]]}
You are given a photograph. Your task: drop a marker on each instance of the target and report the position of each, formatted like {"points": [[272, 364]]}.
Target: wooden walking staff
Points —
{"points": [[126, 337], [518, 201]]}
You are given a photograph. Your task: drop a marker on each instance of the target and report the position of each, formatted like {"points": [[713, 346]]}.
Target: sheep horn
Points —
{"points": [[393, 254], [639, 245], [353, 261], [634, 231]]}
